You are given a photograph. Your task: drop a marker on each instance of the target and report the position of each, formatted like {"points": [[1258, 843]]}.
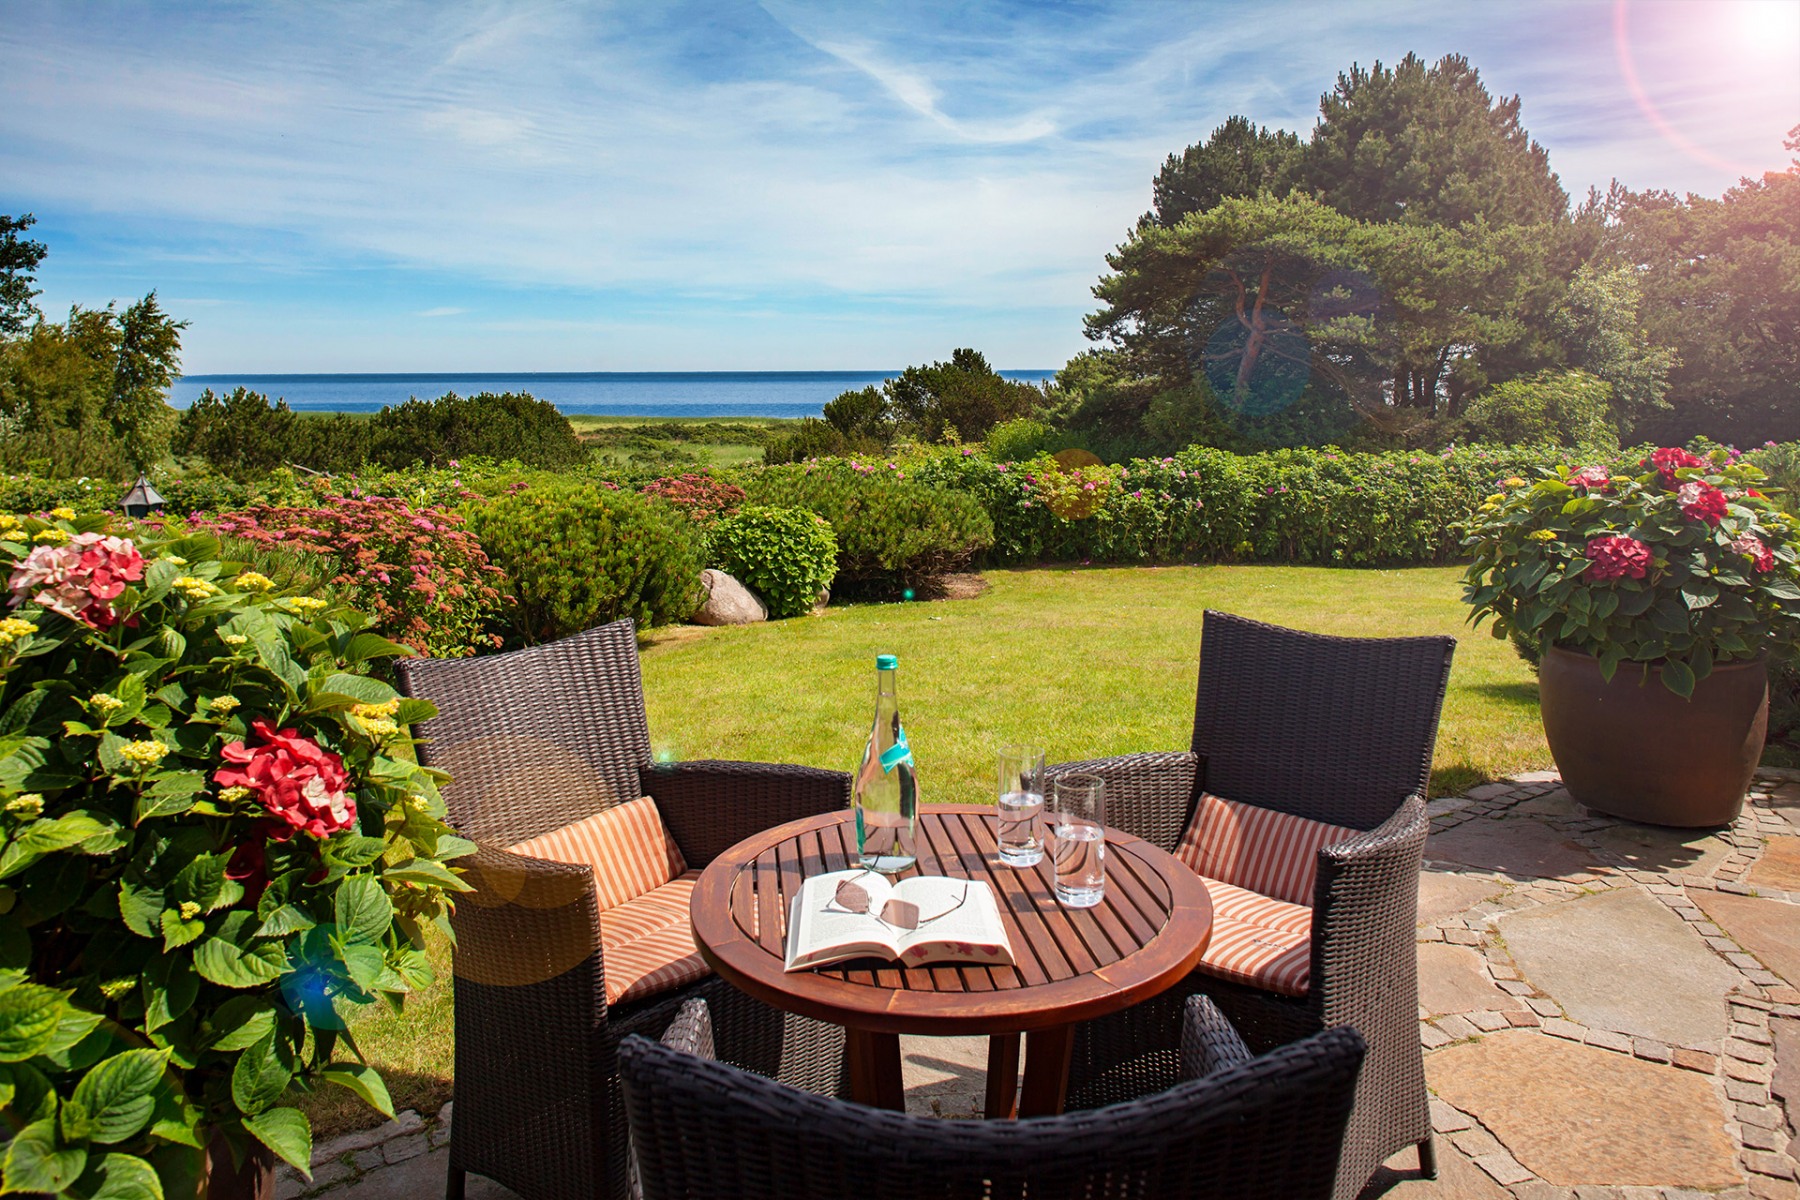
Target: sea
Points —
{"points": [[600, 393]]}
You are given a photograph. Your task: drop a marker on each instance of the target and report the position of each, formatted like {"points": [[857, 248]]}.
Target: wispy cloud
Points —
{"points": [[722, 183]]}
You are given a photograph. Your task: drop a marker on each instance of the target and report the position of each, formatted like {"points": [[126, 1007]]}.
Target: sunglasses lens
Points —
{"points": [[853, 896], [900, 914]]}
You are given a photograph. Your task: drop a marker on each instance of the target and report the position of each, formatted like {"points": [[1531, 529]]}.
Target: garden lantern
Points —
{"points": [[142, 499]]}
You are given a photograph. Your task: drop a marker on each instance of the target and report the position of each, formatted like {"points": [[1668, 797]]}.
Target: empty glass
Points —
{"points": [[1078, 839], [1021, 805]]}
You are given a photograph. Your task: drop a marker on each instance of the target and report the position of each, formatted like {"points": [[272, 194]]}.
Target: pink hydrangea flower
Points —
{"points": [[294, 777], [1618, 557], [1753, 547], [1590, 478], [79, 578], [1701, 501]]}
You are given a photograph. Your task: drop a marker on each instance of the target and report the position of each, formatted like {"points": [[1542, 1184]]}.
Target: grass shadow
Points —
{"points": [[1518, 694]]}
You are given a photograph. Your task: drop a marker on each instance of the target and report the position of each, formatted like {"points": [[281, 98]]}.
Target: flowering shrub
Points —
{"points": [[1677, 560], [580, 556], [891, 530], [702, 497], [785, 555], [420, 574], [77, 576], [213, 846]]}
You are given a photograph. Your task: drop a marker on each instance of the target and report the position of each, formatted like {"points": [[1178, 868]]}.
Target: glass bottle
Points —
{"points": [[885, 792]]}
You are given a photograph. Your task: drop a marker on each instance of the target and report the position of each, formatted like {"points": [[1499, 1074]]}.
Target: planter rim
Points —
{"points": [[1656, 664]]}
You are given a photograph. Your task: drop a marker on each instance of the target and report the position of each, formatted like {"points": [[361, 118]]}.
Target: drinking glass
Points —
{"points": [[1021, 805], [1078, 839]]}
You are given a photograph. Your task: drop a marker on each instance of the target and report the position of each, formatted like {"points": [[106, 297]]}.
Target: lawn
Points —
{"points": [[1087, 661], [707, 439]]}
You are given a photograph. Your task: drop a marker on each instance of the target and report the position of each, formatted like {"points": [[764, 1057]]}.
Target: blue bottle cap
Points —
{"points": [[886, 662]]}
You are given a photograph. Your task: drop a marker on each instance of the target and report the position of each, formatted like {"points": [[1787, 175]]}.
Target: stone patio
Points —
{"points": [[1609, 1012]]}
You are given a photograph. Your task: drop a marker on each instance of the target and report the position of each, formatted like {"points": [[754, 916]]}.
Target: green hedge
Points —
{"points": [[785, 555]]}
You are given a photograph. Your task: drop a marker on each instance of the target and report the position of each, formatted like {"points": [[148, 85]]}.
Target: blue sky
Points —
{"points": [[722, 185]]}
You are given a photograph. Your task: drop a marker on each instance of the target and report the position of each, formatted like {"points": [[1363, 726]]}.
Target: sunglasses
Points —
{"points": [[900, 914]]}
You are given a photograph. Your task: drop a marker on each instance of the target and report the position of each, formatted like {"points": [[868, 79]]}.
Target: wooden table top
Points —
{"points": [[1072, 964]]}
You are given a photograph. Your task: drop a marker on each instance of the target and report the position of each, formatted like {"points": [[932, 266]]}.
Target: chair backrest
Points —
{"points": [[536, 738], [1272, 1128], [1333, 729]]}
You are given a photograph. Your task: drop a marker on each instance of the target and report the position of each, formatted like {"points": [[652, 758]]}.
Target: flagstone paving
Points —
{"points": [[1609, 1011]]}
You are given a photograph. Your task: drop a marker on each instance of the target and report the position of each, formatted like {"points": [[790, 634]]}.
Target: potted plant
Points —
{"points": [[1656, 593], [214, 845]]}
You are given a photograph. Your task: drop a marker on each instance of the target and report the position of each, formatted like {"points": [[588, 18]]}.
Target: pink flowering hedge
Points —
{"points": [[1675, 558], [418, 572]]}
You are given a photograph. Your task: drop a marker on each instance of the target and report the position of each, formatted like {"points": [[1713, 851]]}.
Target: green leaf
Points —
{"points": [[177, 1120], [353, 850], [1699, 594], [200, 882], [142, 909], [364, 965], [121, 1177], [366, 1082], [117, 1096], [261, 1073], [285, 920], [35, 1162], [46, 837], [424, 871], [76, 1024], [221, 959], [357, 689], [242, 1021], [171, 793], [365, 646], [363, 910], [29, 1016], [177, 932], [1781, 589], [1678, 678], [287, 1132]]}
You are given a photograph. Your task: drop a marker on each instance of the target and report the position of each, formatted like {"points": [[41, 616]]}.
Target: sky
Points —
{"points": [[444, 186]]}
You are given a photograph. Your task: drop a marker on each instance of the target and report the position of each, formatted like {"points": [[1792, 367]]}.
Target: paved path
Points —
{"points": [[1610, 1012]]}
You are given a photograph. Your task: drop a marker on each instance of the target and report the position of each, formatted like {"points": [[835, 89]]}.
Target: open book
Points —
{"points": [[957, 921]]}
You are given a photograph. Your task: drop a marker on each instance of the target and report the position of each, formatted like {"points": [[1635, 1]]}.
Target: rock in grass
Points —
{"points": [[728, 602]]}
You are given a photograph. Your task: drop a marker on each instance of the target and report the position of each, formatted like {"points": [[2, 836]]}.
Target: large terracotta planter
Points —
{"points": [[254, 1179], [1634, 749]]}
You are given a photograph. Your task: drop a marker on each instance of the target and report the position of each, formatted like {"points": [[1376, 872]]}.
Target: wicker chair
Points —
{"points": [[533, 741], [1332, 729], [1233, 1129]]}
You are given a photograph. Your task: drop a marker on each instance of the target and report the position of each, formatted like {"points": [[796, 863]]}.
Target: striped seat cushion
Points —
{"points": [[1257, 941], [1260, 849], [647, 943], [627, 846]]}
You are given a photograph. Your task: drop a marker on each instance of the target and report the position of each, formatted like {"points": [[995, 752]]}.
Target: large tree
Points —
{"points": [[964, 395], [1239, 159], [19, 259]]}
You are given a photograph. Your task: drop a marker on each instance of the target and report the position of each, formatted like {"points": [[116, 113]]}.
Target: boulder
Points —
{"points": [[728, 602]]}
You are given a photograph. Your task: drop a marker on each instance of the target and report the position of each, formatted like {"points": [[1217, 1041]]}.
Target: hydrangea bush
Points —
{"points": [[788, 556], [214, 845], [1676, 560]]}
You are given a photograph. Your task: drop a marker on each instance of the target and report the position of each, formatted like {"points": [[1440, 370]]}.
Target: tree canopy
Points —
{"points": [[19, 259]]}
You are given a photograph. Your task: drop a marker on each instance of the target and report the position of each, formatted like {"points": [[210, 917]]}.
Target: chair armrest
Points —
{"points": [[710, 806], [1148, 795], [691, 1031], [527, 920], [1365, 909], [1209, 1043]]}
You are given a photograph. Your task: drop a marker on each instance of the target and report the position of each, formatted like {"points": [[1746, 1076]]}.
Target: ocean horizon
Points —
{"points": [[594, 393]]}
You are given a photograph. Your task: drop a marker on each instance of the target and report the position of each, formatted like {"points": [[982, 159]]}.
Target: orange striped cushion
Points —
{"points": [[648, 943], [628, 847], [1257, 848], [1258, 941]]}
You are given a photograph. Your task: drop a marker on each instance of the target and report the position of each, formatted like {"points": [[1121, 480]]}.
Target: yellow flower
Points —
{"points": [[104, 704], [222, 704], [29, 805], [51, 537], [176, 559], [252, 581], [232, 795], [386, 708], [8, 521], [1542, 535], [306, 605], [63, 514], [418, 804], [143, 755], [380, 728], [233, 639], [1513, 481], [195, 589], [189, 909], [13, 629], [1496, 498], [112, 989]]}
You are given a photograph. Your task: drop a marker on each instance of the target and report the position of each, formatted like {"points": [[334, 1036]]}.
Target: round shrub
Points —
{"points": [[588, 554], [1022, 438], [785, 555]]}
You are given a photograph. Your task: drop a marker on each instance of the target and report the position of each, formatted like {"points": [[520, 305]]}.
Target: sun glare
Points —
{"points": [[1769, 27]]}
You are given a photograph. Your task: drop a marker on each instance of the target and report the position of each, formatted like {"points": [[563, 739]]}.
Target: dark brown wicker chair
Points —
{"points": [[533, 741], [1235, 1129], [1333, 729]]}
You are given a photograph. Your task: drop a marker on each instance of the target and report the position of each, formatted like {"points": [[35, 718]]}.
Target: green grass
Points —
{"points": [[1089, 662]]}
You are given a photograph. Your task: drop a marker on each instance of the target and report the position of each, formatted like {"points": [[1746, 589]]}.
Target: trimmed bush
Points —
{"points": [[787, 556], [450, 428], [1564, 408], [583, 555], [1022, 438], [242, 435], [891, 531]]}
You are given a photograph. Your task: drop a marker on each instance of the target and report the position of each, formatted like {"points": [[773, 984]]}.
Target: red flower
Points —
{"points": [[1618, 558], [295, 778], [1701, 501], [1671, 459], [1759, 553], [78, 579], [1591, 478]]}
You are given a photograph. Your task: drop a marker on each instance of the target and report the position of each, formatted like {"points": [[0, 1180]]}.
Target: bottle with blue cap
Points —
{"points": [[885, 792]]}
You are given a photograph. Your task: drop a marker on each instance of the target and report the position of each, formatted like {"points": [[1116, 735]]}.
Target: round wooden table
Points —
{"points": [[1071, 964]]}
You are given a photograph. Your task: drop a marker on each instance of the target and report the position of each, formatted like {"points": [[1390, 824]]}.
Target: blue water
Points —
{"points": [[608, 393]]}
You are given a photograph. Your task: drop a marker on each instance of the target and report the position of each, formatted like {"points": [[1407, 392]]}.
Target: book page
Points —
{"points": [[968, 932], [820, 930]]}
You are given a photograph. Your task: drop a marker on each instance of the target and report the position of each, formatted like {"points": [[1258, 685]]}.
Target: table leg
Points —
{"points": [[1047, 1053], [1002, 1077], [875, 1070]]}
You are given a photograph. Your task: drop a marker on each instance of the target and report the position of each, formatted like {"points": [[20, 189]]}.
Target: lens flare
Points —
{"points": [[1628, 68]]}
